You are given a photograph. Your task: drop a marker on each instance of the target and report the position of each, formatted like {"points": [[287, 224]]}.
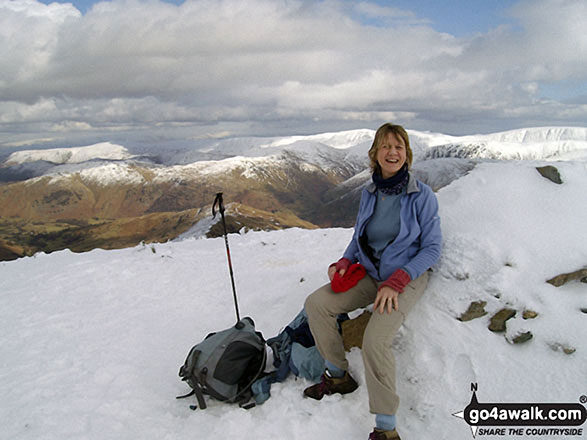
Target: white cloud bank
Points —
{"points": [[151, 69]]}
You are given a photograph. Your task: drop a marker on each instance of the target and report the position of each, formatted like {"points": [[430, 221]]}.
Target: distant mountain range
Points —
{"points": [[110, 196]]}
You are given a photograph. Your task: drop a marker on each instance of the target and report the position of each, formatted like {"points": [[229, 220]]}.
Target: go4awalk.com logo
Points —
{"points": [[524, 419]]}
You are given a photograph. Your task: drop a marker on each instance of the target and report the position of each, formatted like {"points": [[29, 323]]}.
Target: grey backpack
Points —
{"points": [[225, 364]]}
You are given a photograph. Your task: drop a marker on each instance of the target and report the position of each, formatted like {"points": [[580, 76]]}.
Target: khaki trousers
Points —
{"points": [[323, 306]]}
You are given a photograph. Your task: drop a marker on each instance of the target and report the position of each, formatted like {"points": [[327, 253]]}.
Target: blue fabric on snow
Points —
{"points": [[291, 356], [295, 351], [306, 362]]}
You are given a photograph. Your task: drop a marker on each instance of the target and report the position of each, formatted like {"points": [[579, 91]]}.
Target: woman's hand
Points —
{"points": [[386, 299], [340, 266], [332, 271]]}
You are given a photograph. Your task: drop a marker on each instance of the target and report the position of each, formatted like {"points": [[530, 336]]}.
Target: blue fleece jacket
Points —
{"points": [[418, 244]]}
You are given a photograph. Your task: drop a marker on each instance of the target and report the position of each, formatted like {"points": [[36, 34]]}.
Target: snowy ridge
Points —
{"points": [[112, 174], [98, 173], [254, 167], [259, 168], [105, 331], [328, 152], [104, 150], [339, 140], [550, 143], [310, 148], [498, 150], [539, 134]]}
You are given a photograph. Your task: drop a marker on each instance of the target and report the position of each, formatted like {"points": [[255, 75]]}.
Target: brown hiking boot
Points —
{"points": [[331, 385], [379, 434]]}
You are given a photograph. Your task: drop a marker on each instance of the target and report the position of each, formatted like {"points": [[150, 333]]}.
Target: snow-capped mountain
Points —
{"points": [[306, 181], [58, 156], [328, 151], [548, 143]]}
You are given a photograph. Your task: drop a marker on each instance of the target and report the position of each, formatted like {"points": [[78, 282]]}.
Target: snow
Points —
{"points": [[92, 343], [112, 173], [102, 173], [103, 150], [338, 140], [550, 143], [252, 168]]}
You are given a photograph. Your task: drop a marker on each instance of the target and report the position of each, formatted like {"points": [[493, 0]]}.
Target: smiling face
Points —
{"points": [[391, 155]]}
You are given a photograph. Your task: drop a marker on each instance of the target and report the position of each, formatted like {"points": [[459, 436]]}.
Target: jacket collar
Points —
{"points": [[412, 185]]}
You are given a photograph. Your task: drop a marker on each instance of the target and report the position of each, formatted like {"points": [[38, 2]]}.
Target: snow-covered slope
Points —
{"points": [[552, 143], [58, 156], [91, 343], [539, 134]]}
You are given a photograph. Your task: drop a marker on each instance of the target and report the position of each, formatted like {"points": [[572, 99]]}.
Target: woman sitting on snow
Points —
{"points": [[397, 238]]}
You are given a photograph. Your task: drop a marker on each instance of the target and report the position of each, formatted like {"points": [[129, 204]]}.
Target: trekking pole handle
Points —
{"points": [[218, 201]]}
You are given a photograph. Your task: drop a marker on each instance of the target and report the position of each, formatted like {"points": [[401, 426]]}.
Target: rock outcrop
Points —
{"points": [[551, 173], [564, 278], [498, 320], [475, 310]]}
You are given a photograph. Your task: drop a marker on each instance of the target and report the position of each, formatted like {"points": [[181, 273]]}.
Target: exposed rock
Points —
{"points": [[10, 251], [564, 278], [522, 337], [566, 349], [475, 310], [353, 330], [551, 173], [498, 320], [529, 314]]}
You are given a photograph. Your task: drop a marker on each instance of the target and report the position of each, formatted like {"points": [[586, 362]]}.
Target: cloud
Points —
{"points": [[263, 65]]}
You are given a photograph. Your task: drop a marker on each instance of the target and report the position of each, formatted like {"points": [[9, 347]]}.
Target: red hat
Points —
{"points": [[355, 273]]}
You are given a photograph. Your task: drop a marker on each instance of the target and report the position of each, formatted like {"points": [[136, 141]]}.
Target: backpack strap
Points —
{"points": [[197, 390], [199, 394], [191, 393]]}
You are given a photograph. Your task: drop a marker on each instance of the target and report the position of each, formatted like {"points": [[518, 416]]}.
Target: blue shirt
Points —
{"points": [[419, 241], [384, 225]]}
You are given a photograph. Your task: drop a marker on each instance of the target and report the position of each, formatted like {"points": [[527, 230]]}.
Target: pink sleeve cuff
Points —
{"points": [[397, 281]]}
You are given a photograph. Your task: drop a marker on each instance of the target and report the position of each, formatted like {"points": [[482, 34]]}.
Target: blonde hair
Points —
{"points": [[380, 135]]}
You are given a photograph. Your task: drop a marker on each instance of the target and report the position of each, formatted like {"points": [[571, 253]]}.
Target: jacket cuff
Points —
{"points": [[397, 281]]}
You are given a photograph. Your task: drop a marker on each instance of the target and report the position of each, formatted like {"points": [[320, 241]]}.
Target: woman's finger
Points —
{"points": [[331, 272], [396, 302], [379, 303]]}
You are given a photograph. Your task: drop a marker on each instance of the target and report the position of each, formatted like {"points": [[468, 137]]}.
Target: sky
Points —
{"points": [[148, 71]]}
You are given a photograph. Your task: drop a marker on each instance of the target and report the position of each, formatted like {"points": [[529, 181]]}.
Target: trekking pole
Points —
{"points": [[218, 201]]}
